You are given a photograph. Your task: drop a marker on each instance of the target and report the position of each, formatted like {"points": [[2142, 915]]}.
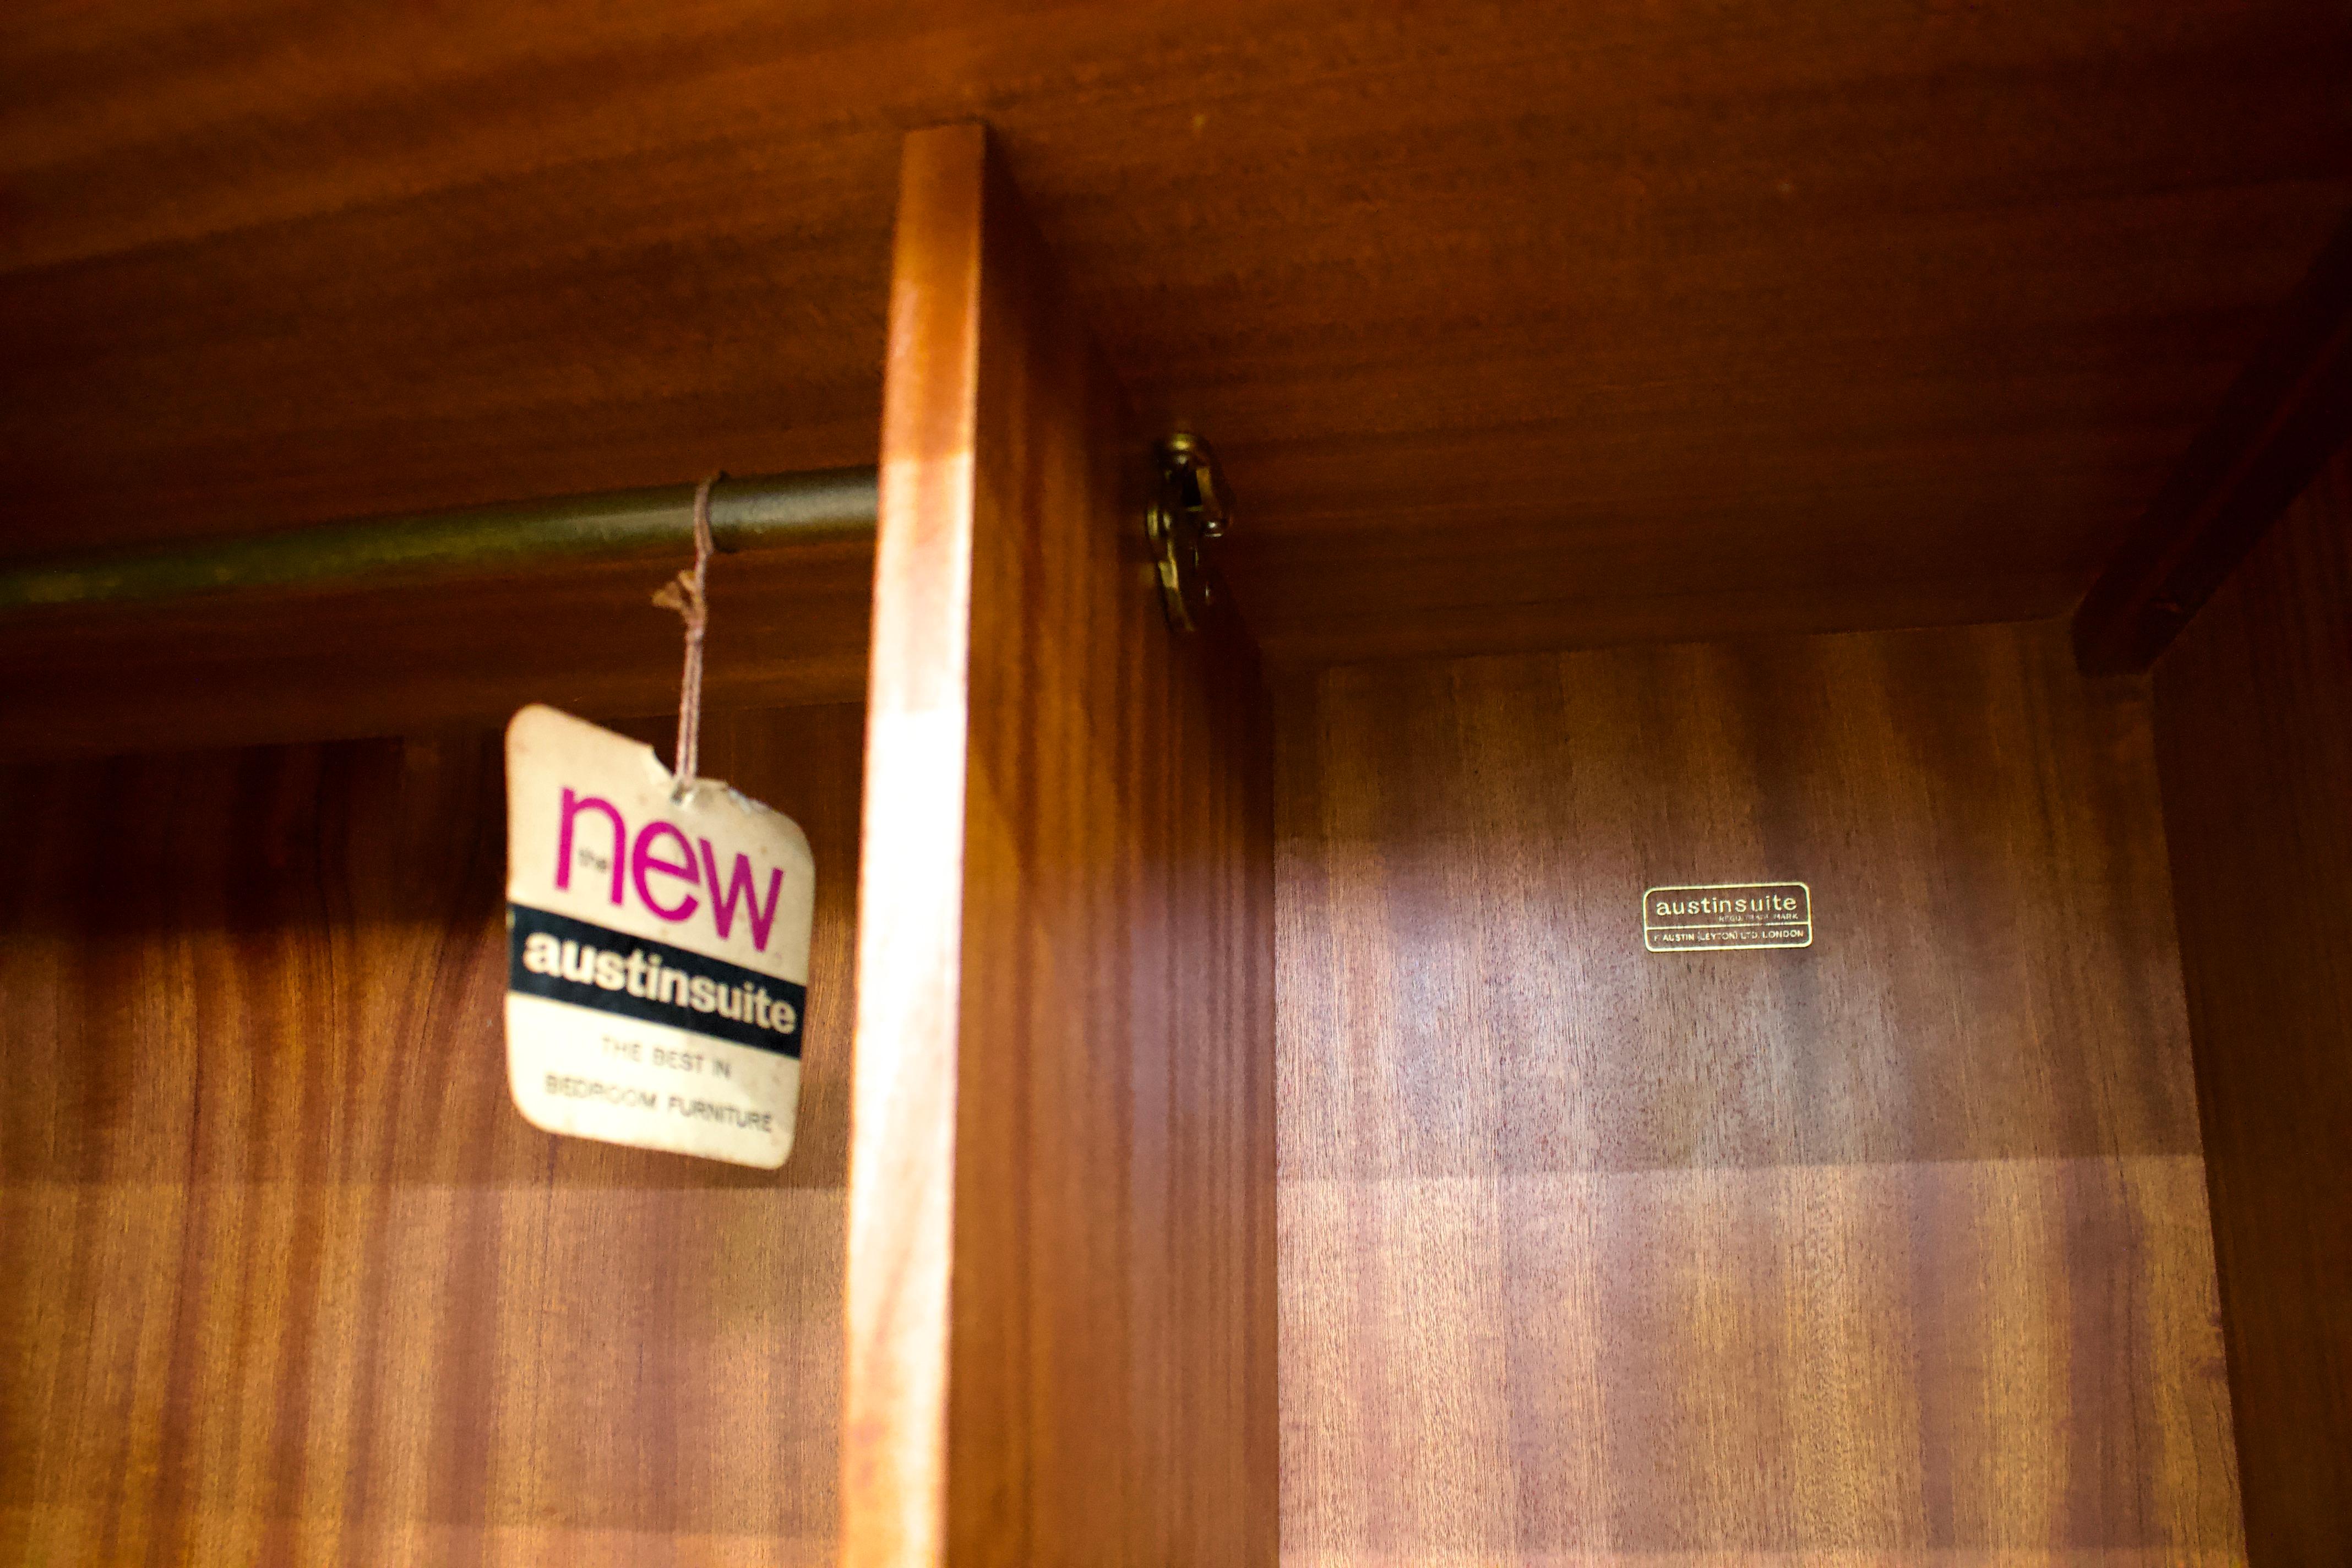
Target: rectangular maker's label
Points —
{"points": [[1727, 916]]}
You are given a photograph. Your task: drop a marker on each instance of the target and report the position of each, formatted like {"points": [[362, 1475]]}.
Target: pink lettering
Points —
{"points": [[642, 859], [573, 807], [740, 886]]}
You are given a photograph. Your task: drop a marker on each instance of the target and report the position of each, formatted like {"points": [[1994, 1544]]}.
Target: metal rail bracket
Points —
{"points": [[1189, 506]]}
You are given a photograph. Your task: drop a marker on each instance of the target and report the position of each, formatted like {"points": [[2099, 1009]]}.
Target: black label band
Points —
{"points": [[589, 965]]}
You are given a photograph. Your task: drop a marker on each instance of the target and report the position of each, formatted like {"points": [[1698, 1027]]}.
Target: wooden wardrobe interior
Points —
{"points": [[1241, 1123]]}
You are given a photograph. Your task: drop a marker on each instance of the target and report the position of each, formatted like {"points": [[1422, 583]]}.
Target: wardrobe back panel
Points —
{"points": [[1894, 1244], [284, 1277]]}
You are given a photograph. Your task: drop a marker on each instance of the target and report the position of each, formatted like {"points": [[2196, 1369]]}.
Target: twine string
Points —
{"points": [[684, 594]]}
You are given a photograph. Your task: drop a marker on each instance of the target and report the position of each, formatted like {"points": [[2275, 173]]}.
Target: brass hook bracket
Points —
{"points": [[1189, 506]]}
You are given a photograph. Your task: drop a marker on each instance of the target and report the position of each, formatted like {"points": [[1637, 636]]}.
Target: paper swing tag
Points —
{"points": [[657, 949]]}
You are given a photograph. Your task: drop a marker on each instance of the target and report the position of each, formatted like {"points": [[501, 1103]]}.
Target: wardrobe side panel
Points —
{"points": [[1085, 1375], [2253, 708]]}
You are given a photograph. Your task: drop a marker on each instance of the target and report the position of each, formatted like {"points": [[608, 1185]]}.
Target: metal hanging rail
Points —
{"points": [[835, 504]]}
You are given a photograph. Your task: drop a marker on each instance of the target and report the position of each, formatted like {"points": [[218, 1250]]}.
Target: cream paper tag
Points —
{"points": [[657, 949]]}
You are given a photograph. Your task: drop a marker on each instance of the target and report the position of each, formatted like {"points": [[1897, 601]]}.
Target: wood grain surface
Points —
{"points": [[1061, 1287], [2254, 710], [286, 1278], [1516, 324], [1890, 1250]]}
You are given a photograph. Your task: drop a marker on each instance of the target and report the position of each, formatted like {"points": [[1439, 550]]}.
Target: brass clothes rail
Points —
{"points": [[829, 505]]}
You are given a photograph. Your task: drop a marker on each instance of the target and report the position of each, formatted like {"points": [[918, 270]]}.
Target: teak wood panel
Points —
{"points": [[1061, 1283], [285, 1277], [1892, 1249], [2253, 709], [1779, 317]]}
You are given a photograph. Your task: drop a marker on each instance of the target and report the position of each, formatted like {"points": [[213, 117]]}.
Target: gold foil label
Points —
{"points": [[1718, 917]]}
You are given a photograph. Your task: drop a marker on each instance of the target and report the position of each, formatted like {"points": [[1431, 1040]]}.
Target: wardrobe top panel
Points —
{"points": [[1516, 325]]}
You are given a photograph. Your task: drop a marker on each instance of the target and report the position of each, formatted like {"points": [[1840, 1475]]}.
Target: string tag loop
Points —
{"points": [[687, 593]]}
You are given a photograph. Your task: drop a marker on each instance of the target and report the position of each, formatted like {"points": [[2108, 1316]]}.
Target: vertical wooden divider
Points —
{"points": [[1061, 1307]]}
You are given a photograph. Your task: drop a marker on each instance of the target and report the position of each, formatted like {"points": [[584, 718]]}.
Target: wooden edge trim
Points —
{"points": [[910, 879], [2280, 421]]}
